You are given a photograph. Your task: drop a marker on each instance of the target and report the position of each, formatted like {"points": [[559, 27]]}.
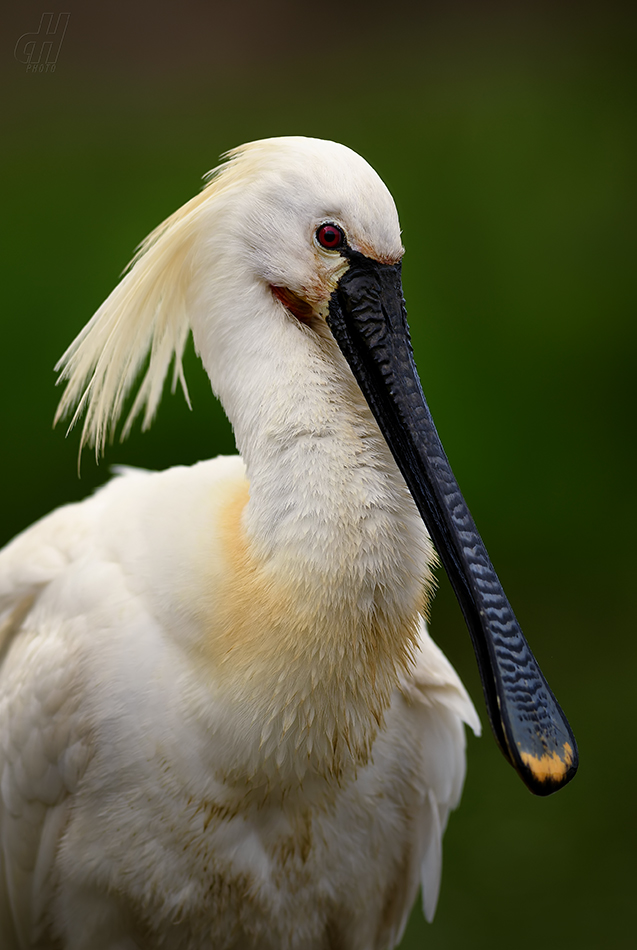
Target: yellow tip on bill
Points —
{"points": [[551, 768]]}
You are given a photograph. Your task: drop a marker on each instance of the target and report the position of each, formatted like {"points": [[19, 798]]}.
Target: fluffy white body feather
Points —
{"points": [[222, 720]]}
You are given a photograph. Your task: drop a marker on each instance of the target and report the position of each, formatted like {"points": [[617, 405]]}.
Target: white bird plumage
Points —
{"points": [[222, 720]]}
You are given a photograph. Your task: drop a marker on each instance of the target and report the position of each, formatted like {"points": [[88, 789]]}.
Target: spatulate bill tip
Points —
{"points": [[539, 741], [548, 772]]}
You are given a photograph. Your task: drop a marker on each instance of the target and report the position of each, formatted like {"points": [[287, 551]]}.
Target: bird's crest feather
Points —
{"points": [[145, 313]]}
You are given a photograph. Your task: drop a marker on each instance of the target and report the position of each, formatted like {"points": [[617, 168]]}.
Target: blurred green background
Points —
{"points": [[506, 133]]}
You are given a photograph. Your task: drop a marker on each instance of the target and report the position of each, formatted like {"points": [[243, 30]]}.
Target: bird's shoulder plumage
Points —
{"points": [[64, 586], [99, 601]]}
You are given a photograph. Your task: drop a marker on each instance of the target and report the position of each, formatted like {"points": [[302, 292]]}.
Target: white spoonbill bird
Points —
{"points": [[223, 723]]}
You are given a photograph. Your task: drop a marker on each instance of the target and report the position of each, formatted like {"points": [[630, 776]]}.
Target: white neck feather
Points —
{"points": [[330, 518]]}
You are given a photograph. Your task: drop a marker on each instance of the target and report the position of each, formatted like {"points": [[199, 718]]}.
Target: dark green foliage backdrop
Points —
{"points": [[507, 137]]}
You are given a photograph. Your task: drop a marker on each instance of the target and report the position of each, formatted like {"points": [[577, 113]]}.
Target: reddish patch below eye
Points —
{"points": [[299, 308], [330, 237]]}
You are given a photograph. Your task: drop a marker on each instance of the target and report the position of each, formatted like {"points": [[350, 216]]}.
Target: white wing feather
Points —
{"points": [[437, 687], [43, 742], [44, 749], [45, 727]]}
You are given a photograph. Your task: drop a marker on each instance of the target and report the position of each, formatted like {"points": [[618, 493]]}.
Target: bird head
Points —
{"points": [[296, 204]]}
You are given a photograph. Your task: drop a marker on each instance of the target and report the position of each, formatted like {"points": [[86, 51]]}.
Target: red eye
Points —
{"points": [[330, 237]]}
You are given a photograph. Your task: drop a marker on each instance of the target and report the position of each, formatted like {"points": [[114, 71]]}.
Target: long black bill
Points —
{"points": [[368, 320]]}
